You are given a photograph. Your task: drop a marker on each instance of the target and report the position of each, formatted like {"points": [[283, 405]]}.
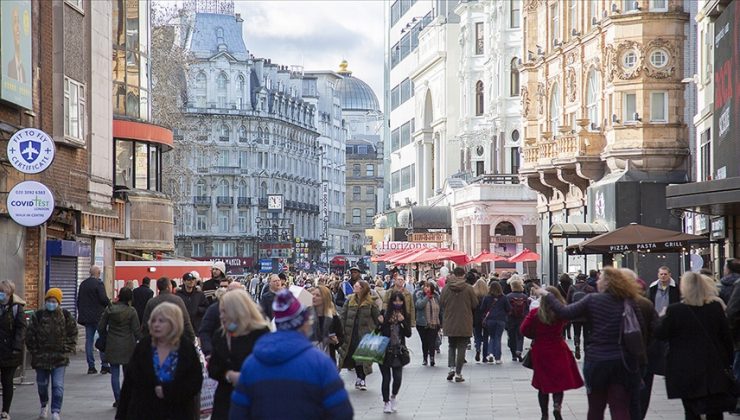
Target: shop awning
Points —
{"points": [[637, 238], [719, 197], [577, 230]]}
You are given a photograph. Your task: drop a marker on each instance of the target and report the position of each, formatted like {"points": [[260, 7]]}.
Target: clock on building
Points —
{"points": [[275, 202]]}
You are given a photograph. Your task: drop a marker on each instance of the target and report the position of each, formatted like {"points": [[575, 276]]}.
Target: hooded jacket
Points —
{"points": [[51, 337], [286, 363], [458, 302], [727, 285]]}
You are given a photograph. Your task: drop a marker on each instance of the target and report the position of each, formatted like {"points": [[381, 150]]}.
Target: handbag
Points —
{"points": [[100, 342], [371, 348], [527, 360], [208, 389], [404, 356]]}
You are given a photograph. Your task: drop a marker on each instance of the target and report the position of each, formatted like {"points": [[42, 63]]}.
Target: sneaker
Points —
{"points": [[498, 361], [363, 387], [459, 378], [490, 358], [477, 356], [91, 370], [450, 375], [431, 361], [44, 412], [55, 416], [358, 383], [424, 362], [4, 416], [394, 403], [115, 404], [104, 370], [387, 407]]}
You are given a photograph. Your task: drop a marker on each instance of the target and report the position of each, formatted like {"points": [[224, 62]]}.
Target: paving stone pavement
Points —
{"points": [[500, 392]]}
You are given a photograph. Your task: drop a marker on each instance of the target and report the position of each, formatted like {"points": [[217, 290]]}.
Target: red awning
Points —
{"points": [[524, 256], [486, 256]]}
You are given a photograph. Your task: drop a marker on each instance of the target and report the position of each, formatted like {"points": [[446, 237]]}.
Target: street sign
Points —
{"points": [[31, 151], [30, 203], [265, 265]]}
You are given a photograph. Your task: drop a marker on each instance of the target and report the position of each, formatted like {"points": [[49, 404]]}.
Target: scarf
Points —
{"points": [[432, 313]]}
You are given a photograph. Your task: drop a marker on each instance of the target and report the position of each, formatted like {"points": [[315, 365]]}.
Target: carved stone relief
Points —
{"points": [[615, 67], [570, 84], [540, 98], [669, 69], [524, 92]]}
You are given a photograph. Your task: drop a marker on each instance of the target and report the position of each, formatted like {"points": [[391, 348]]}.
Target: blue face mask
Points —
{"points": [[398, 305], [3, 297], [51, 306], [232, 327]]}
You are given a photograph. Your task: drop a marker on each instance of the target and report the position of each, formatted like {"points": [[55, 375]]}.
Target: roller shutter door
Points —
{"points": [[63, 274]]}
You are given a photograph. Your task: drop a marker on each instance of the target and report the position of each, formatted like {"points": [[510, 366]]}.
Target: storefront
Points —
{"points": [[67, 265]]}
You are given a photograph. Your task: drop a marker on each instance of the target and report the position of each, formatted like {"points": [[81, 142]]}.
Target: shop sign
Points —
{"points": [[30, 203], [718, 229], [386, 246], [429, 237], [31, 151], [506, 239]]}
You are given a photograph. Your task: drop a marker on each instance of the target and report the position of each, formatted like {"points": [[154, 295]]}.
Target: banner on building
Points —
{"points": [[387, 246], [727, 93], [15, 55]]}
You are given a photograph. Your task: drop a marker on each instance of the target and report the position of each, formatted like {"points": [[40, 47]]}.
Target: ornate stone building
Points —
{"points": [[604, 102]]}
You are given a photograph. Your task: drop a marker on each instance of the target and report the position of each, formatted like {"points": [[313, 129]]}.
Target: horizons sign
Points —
{"points": [[386, 246], [31, 151]]}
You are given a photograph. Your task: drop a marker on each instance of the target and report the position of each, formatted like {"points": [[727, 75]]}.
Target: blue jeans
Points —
{"points": [[481, 340], [57, 387], [495, 331], [90, 330], [115, 380]]}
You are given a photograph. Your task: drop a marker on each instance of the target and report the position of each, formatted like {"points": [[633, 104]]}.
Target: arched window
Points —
{"points": [[263, 190], [259, 135], [241, 82], [479, 98], [200, 189], [592, 99], [225, 133], [222, 86], [514, 88], [219, 32], [223, 188], [243, 189], [555, 109], [267, 135], [243, 134], [201, 83]]}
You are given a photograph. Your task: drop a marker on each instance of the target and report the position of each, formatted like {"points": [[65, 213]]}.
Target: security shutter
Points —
{"points": [[83, 269], [63, 274]]}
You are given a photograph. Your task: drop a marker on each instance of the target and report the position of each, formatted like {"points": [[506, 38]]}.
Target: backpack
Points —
{"points": [[347, 288], [630, 333], [518, 305]]}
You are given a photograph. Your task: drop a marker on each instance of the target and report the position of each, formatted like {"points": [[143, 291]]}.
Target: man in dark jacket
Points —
{"points": [[212, 319], [91, 302], [664, 291], [218, 273], [142, 294], [727, 283], [164, 287], [287, 363], [194, 299], [274, 286]]}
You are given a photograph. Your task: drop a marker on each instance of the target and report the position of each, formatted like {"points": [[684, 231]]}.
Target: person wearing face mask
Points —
{"points": [[211, 320], [242, 324], [51, 337], [397, 327], [12, 333], [287, 363]]}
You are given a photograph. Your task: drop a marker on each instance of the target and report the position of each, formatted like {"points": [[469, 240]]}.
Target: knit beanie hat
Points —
{"points": [[54, 293], [220, 266], [289, 313]]}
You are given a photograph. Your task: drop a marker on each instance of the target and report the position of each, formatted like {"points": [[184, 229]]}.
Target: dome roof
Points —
{"points": [[354, 94]]}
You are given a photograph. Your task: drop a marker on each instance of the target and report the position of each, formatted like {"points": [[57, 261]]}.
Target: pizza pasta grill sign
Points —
{"points": [[30, 203], [31, 151]]}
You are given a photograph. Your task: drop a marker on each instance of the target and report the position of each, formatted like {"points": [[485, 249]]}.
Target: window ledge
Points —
{"points": [[75, 7], [71, 141]]}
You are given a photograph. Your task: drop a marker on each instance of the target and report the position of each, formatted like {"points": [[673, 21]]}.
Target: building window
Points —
{"points": [[658, 5], [74, 109], [630, 107], [369, 215], [243, 134], [223, 220], [242, 87], [658, 58], [555, 24], [659, 107], [515, 14], [479, 38], [224, 249], [200, 221], [555, 109], [370, 170], [573, 16], [225, 133], [479, 98], [593, 13], [514, 80], [515, 160], [223, 158], [243, 221], [356, 170], [223, 188], [222, 86], [705, 156], [592, 99], [370, 193], [201, 83], [356, 216], [629, 5], [76, 3], [138, 165], [356, 193], [199, 249]]}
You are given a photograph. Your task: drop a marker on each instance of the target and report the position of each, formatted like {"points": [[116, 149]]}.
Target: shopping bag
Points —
{"points": [[207, 390], [371, 348]]}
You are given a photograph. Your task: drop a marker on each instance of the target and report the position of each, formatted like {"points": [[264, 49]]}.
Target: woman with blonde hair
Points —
{"points": [[610, 373], [696, 373], [327, 332], [555, 369], [480, 335], [242, 324], [164, 375]]}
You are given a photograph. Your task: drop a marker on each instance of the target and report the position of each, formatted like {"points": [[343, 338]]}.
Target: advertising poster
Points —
{"points": [[15, 55], [727, 93]]}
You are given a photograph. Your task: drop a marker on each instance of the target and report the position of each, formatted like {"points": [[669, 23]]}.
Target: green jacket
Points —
{"points": [[120, 325], [50, 338], [366, 314]]}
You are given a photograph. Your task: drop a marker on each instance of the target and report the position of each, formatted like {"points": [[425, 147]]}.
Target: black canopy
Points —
{"points": [[637, 238]]}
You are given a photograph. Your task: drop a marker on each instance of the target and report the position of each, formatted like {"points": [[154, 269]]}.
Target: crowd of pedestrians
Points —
{"points": [[259, 340]]}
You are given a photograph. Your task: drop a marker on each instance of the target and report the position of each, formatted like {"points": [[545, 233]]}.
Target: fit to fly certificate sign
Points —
{"points": [[30, 203], [31, 151]]}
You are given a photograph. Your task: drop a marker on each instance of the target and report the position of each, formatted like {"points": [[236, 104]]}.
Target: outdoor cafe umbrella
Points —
{"points": [[401, 257], [639, 238], [440, 254], [486, 256], [524, 256]]}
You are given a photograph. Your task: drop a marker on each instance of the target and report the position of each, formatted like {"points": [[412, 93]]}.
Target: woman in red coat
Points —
{"points": [[555, 369]]}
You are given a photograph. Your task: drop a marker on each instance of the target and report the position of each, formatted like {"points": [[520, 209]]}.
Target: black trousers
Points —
{"points": [[397, 373], [428, 338], [6, 378]]}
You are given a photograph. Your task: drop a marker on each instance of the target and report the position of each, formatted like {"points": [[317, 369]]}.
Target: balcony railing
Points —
{"points": [[224, 201], [226, 170], [496, 179], [244, 201], [564, 146], [262, 202], [202, 200]]}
